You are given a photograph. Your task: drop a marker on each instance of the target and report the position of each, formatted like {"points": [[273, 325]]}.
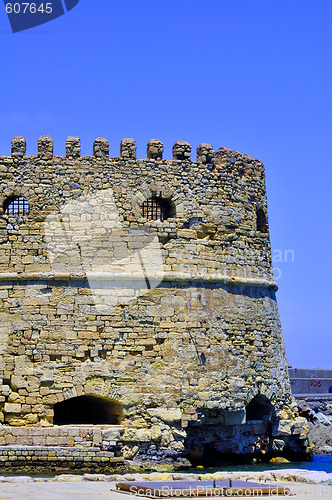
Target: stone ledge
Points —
{"points": [[176, 277]]}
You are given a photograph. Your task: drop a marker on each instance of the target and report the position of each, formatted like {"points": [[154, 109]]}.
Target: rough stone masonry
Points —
{"points": [[138, 308]]}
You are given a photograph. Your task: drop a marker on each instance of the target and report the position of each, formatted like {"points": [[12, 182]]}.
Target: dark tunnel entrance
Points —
{"points": [[87, 410], [259, 409]]}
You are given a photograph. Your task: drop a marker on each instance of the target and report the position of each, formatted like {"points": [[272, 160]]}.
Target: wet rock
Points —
{"points": [[324, 450], [279, 460], [323, 419]]}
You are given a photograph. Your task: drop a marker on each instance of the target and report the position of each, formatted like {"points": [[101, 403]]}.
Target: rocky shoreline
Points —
{"points": [[318, 413], [277, 475]]}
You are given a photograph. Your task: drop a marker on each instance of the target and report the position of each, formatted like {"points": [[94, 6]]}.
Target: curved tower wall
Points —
{"points": [[174, 323]]}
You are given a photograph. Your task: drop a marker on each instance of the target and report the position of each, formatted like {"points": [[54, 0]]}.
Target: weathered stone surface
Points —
{"points": [[155, 149], [73, 147], [166, 415], [18, 146], [101, 148], [12, 408], [128, 149], [172, 359], [137, 435], [181, 150], [324, 450], [111, 434], [205, 153], [45, 147], [323, 419]]}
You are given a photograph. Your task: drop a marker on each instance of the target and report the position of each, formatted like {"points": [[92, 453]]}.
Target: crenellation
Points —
{"points": [[101, 148], [18, 146], [181, 150], [205, 153], [73, 148], [155, 149], [45, 147], [128, 149]]}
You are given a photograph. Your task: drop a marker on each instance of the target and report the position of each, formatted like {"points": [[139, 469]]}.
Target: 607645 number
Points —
{"points": [[29, 8]]}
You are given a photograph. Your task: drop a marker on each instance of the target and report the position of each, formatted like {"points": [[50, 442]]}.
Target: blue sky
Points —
{"points": [[253, 76]]}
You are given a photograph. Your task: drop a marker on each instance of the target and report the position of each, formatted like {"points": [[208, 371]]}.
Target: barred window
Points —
{"points": [[157, 209], [16, 206]]}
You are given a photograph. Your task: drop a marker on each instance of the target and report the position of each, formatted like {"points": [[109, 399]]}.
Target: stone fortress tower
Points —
{"points": [[138, 307]]}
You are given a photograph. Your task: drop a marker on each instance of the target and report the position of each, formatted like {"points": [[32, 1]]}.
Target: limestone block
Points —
{"points": [[300, 427], [5, 390], [285, 428], [187, 234], [14, 397], [168, 415], [127, 452], [165, 439], [155, 433], [177, 446], [111, 434], [128, 400], [143, 435], [137, 435], [13, 408], [18, 382], [179, 434]]}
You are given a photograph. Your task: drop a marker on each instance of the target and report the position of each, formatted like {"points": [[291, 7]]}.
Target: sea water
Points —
{"points": [[319, 463]]}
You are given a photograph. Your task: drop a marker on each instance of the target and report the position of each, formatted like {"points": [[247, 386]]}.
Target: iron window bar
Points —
{"points": [[16, 206]]}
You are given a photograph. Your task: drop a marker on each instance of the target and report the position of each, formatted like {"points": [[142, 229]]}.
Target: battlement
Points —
{"points": [[155, 148], [182, 150], [200, 203]]}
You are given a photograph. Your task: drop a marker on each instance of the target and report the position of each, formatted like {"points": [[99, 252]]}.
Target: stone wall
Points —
{"points": [[56, 458], [172, 324]]}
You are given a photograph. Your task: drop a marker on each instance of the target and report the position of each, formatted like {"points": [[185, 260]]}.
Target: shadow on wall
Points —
{"points": [[87, 410]]}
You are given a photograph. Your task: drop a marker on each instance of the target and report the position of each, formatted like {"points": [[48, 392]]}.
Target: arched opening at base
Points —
{"points": [[259, 408], [87, 410]]}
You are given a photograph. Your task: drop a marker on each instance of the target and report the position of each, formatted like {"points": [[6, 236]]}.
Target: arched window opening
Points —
{"points": [[259, 408], [87, 410], [261, 221], [157, 208], [16, 206]]}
